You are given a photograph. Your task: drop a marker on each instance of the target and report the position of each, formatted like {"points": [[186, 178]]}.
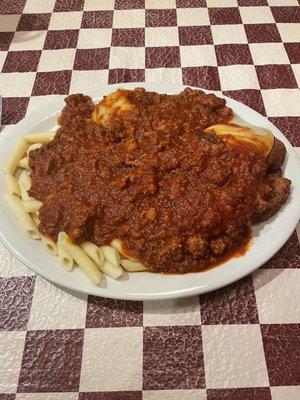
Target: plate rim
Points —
{"points": [[43, 113]]}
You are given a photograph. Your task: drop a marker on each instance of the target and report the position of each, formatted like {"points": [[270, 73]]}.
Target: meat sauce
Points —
{"points": [[179, 200]]}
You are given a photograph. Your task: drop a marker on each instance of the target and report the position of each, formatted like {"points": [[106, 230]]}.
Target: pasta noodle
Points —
{"points": [[23, 163], [49, 245], [111, 255], [25, 179], [25, 220], [94, 252], [24, 185], [23, 190], [12, 185], [35, 218], [39, 137], [111, 270], [81, 258], [133, 266], [116, 244], [32, 205], [15, 156], [34, 146], [65, 260]]}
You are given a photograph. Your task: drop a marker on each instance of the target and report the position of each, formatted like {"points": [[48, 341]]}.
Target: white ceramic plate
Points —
{"points": [[269, 237]]}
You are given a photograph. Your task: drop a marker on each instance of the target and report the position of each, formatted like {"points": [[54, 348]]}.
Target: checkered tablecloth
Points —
{"points": [[239, 343]]}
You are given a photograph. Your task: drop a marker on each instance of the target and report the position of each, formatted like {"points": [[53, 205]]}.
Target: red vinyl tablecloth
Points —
{"points": [[239, 343]]}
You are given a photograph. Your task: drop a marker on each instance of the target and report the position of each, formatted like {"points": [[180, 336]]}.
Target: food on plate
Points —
{"points": [[146, 181]]}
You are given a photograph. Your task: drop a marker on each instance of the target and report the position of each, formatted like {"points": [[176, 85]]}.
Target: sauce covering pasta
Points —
{"points": [[141, 169]]}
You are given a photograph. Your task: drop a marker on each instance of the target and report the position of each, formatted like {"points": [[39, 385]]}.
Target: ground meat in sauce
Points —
{"points": [[178, 199]]}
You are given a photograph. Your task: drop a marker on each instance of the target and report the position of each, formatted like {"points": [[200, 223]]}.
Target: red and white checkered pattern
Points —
{"points": [[241, 342]]}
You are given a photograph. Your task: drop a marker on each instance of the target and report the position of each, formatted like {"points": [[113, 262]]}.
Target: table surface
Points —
{"points": [[241, 342]]}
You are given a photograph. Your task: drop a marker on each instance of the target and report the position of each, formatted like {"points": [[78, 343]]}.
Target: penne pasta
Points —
{"points": [[32, 205], [49, 245], [39, 137], [81, 258], [111, 255], [23, 163], [25, 220], [24, 185], [133, 266], [116, 244], [33, 147], [65, 260], [23, 192], [12, 185], [25, 179], [111, 270], [94, 252], [35, 218], [15, 156]]}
